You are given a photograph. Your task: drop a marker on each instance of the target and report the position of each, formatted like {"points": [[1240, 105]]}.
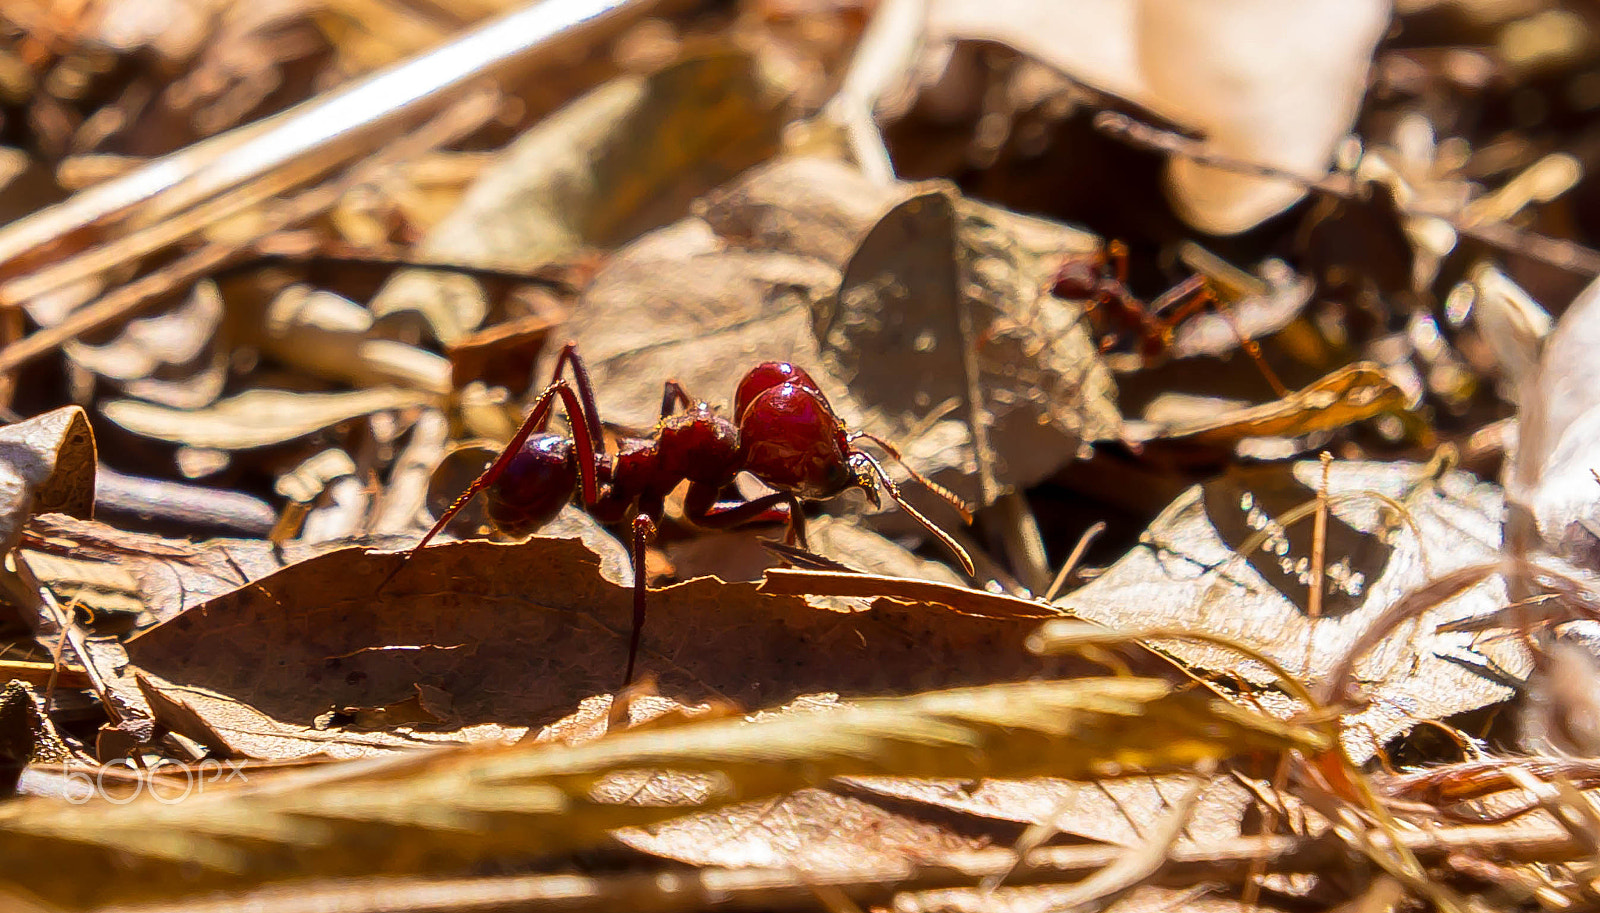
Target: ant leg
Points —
{"points": [[893, 491], [945, 494], [1117, 255], [673, 396], [580, 377], [644, 533], [701, 508], [536, 418], [1196, 294]]}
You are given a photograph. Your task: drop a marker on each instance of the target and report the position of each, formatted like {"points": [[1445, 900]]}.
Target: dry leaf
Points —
{"points": [[258, 418], [46, 465], [520, 636], [1264, 82], [812, 829], [811, 207], [1551, 490], [1189, 573], [675, 305], [950, 347]]}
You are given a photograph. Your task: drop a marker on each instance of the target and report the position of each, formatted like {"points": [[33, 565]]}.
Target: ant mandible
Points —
{"points": [[785, 434], [1101, 280]]}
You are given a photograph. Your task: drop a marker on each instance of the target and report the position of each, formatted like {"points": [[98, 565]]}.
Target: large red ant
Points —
{"points": [[1101, 280], [785, 434]]}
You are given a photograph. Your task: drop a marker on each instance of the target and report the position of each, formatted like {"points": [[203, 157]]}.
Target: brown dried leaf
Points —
{"points": [[171, 575], [810, 207], [46, 465], [740, 555], [1552, 494], [1191, 573], [519, 637], [811, 829], [1110, 811], [951, 347]]}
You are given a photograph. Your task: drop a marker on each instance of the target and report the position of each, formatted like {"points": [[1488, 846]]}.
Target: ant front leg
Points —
{"points": [[701, 507], [1116, 254]]}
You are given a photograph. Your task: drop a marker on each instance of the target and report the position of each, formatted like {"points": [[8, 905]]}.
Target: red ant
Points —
{"points": [[786, 435], [1101, 280]]}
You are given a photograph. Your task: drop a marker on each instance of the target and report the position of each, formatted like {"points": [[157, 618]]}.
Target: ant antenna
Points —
{"points": [[945, 494], [893, 491]]}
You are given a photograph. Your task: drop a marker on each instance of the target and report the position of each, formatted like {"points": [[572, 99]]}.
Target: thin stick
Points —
{"points": [[1084, 541], [337, 126], [130, 299], [1319, 543]]}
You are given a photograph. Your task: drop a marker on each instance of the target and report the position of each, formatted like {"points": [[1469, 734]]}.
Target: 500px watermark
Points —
{"points": [[166, 780]]}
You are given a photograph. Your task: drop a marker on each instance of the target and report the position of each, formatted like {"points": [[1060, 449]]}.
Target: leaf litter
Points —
{"points": [[271, 333]]}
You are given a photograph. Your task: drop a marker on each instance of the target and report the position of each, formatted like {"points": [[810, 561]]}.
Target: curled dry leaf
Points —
{"points": [[1351, 394], [1552, 493], [522, 634], [258, 418], [621, 160], [1193, 571], [330, 337], [47, 465], [1263, 81], [170, 358]]}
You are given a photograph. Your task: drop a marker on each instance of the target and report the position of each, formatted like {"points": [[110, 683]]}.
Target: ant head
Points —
{"points": [[1081, 277], [769, 374], [791, 440]]}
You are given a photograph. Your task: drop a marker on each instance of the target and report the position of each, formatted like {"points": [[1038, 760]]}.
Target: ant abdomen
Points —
{"points": [[535, 484]]}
